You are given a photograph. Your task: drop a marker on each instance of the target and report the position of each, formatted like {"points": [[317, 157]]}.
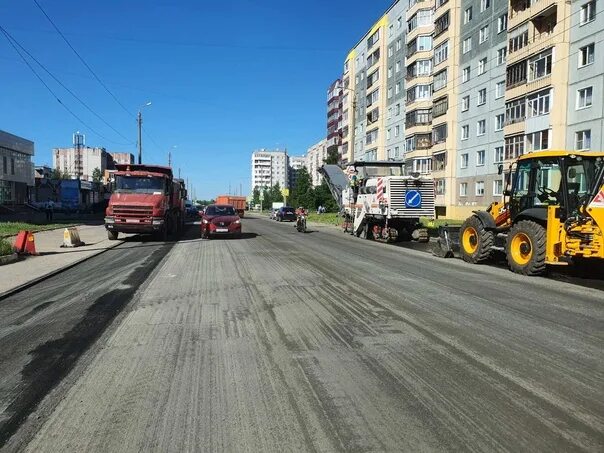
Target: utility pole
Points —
{"points": [[170, 159], [139, 121]]}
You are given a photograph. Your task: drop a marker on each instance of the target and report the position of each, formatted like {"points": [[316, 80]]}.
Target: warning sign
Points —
{"points": [[598, 201]]}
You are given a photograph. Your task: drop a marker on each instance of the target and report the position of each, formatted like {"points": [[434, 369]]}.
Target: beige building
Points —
{"points": [[315, 157]]}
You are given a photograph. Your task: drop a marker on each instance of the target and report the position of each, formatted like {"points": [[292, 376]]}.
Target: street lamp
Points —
{"points": [[139, 120]]}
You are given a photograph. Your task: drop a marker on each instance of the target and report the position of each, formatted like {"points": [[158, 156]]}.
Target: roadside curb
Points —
{"points": [[44, 231], [18, 289], [8, 259]]}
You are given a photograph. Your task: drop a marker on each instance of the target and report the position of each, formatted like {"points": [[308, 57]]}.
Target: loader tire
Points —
{"points": [[525, 248], [475, 241], [112, 235]]}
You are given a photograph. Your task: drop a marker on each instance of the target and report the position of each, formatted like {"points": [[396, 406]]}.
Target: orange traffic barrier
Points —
{"points": [[25, 243]]}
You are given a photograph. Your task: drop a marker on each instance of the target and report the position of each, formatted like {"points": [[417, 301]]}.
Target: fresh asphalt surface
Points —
{"points": [[283, 341]]}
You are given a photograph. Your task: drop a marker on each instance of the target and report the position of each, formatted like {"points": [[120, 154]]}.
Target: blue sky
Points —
{"points": [[224, 78]]}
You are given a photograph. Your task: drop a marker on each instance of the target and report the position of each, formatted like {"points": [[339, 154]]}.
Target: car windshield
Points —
{"points": [[220, 210], [139, 184]]}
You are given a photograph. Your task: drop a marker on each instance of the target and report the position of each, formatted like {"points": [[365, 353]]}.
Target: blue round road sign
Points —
{"points": [[413, 199]]}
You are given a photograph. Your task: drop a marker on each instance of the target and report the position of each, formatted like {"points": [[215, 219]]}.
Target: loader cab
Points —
{"points": [[379, 169], [541, 180]]}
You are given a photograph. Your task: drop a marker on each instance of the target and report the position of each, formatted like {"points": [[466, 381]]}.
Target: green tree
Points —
{"points": [[303, 192], [256, 196], [275, 194], [324, 198], [333, 156], [97, 176]]}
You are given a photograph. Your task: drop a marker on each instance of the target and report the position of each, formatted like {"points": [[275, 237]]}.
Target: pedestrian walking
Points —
{"points": [[50, 206]]}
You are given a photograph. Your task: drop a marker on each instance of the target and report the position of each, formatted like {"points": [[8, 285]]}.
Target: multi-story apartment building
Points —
{"points": [[537, 76], [585, 114], [80, 161], [366, 87], [481, 106], [334, 116], [315, 156], [16, 169], [295, 164], [122, 158], [269, 168]]}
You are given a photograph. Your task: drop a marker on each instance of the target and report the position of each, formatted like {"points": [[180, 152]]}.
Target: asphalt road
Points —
{"points": [[284, 341]]}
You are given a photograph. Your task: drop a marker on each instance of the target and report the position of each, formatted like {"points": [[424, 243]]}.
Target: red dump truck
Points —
{"points": [[238, 203], [145, 199]]}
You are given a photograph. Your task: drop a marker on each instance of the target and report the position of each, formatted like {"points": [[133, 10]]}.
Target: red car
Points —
{"points": [[219, 220]]}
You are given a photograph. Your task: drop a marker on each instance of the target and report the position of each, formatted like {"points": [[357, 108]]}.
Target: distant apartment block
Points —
{"points": [[16, 169], [270, 168], [315, 157], [80, 161]]}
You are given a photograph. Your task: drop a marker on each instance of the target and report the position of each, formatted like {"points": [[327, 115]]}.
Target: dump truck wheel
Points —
{"points": [[525, 248], [475, 241], [112, 235]]}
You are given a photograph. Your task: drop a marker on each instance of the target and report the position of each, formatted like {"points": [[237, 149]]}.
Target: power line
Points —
{"points": [[67, 89], [48, 87], [82, 60]]}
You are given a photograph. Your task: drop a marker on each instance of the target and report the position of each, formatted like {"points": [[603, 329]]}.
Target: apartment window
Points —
{"points": [[424, 18], [389, 92], [499, 89], [441, 53], [540, 65], [484, 4], [539, 103], [467, 15], [440, 80], [498, 187], [4, 165], [482, 96], [538, 141], [398, 44], [397, 67], [12, 165], [373, 39], [502, 23], [373, 116], [418, 117], [499, 121], [465, 103], [396, 152], [465, 132], [498, 158], [466, 45], [441, 24], [390, 30], [372, 78], [424, 92], [583, 140], [440, 186], [588, 12], [465, 160], [519, 40], [479, 188], [482, 66], [586, 55], [371, 137], [389, 113], [373, 58], [397, 131], [390, 72], [439, 133], [440, 106], [584, 97], [480, 158], [440, 162], [397, 109], [424, 67], [515, 111], [501, 55], [481, 127], [463, 189], [516, 74], [388, 131], [373, 97], [422, 166], [483, 34], [465, 75], [399, 22], [397, 88], [424, 43], [390, 51]]}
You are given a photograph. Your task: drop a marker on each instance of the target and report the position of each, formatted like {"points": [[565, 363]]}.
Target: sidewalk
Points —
{"points": [[52, 257]]}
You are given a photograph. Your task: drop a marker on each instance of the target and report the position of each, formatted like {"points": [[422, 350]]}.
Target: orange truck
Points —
{"points": [[238, 203]]}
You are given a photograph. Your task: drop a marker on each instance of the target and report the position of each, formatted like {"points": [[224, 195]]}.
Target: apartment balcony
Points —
{"points": [[423, 30], [521, 11], [514, 128], [420, 4], [419, 55], [418, 104], [418, 129]]}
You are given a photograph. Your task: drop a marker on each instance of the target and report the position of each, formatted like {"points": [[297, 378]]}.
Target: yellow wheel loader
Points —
{"points": [[552, 213]]}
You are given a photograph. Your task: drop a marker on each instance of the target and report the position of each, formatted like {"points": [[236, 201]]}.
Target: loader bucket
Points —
{"points": [[447, 244]]}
